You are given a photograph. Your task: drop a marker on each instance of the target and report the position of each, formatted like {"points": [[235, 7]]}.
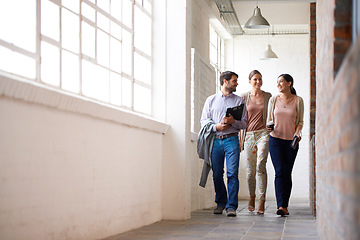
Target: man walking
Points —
{"points": [[226, 142]]}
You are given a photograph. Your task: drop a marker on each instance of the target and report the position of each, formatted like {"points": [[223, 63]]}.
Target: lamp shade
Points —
{"points": [[257, 20], [268, 54]]}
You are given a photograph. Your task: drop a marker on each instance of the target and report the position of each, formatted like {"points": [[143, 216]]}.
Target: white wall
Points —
{"points": [[73, 174], [242, 56]]}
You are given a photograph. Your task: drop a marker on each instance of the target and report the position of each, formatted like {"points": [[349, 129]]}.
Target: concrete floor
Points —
{"points": [[300, 224]]}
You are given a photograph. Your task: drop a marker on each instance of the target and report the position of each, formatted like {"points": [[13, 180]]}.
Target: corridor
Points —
{"points": [[300, 224]]}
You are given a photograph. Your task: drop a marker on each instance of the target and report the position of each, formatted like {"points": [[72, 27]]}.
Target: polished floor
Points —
{"points": [[300, 224]]}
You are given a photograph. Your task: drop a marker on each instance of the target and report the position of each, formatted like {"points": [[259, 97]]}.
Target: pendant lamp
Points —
{"points": [[268, 54], [257, 20]]}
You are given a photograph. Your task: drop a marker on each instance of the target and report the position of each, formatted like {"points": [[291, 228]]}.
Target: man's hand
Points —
{"points": [[229, 120], [222, 126]]}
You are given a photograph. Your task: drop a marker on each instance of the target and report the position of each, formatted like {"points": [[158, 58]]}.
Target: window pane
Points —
{"points": [[95, 81], [88, 12], [213, 36], [18, 24], [103, 22], [147, 6], [70, 31], [126, 92], [88, 39], [115, 30], [142, 99], [70, 72], [103, 48], [71, 4], [50, 20], [17, 63], [115, 88], [127, 13], [115, 55], [104, 5], [50, 64], [127, 53], [142, 69], [142, 31], [213, 54], [116, 9]]}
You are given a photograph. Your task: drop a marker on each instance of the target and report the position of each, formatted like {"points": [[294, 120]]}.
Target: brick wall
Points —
{"points": [[337, 122], [312, 162]]}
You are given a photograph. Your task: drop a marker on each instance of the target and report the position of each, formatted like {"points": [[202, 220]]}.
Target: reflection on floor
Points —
{"points": [[300, 224]]}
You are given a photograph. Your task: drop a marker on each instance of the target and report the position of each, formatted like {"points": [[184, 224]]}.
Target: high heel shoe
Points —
{"points": [[251, 208], [251, 204], [280, 211], [286, 211], [261, 209]]}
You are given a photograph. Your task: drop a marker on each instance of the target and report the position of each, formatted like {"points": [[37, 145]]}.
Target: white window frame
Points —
{"points": [[217, 63], [142, 5]]}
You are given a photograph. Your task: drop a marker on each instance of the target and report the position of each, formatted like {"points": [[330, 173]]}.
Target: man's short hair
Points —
{"points": [[227, 76]]}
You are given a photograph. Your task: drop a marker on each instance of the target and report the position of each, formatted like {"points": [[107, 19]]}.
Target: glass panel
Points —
{"points": [[95, 81], [115, 30], [17, 63], [103, 22], [104, 5], [127, 13], [115, 88], [70, 31], [127, 53], [50, 19], [73, 5], [142, 99], [139, 2], [88, 39], [18, 24], [213, 36], [213, 53], [142, 69], [115, 55], [70, 72], [103, 48], [126, 92], [50, 64], [88, 12], [147, 6], [142, 31], [116, 9]]}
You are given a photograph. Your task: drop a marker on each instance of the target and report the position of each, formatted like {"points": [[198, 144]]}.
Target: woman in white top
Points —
{"points": [[286, 110], [255, 140]]}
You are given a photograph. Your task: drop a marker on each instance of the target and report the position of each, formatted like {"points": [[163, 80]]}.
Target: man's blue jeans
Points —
{"points": [[283, 158], [228, 148]]}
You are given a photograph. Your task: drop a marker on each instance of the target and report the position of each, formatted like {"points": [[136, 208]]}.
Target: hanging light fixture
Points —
{"points": [[268, 54], [257, 20]]}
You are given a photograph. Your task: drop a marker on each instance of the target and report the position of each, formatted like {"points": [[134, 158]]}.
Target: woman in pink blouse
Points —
{"points": [[286, 111]]}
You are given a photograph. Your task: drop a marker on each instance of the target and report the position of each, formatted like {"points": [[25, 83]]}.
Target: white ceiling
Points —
{"points": [[285, 15]]}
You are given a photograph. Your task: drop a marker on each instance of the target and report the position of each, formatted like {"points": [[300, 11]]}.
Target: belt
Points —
{"points": [[226, 135]]}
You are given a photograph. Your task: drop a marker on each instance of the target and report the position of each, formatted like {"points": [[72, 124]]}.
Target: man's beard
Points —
{"points": [[230, 89]]}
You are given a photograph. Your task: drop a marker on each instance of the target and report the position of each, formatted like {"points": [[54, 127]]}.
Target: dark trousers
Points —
{"points": [[283, 158]]}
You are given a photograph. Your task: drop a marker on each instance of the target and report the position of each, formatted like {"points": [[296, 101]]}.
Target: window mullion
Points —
{"points": [[132, 55], [38, 40]]}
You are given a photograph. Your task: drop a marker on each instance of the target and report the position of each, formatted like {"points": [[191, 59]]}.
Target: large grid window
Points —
{"points": [[217, 59], [100, 49]]}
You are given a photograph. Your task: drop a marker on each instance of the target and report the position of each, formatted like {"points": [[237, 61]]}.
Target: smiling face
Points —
{"points": [[230, 85], [283, 85], [256, 81]]}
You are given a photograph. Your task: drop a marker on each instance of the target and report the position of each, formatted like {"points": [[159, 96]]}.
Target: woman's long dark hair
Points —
{"points": [[290, 79]]}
